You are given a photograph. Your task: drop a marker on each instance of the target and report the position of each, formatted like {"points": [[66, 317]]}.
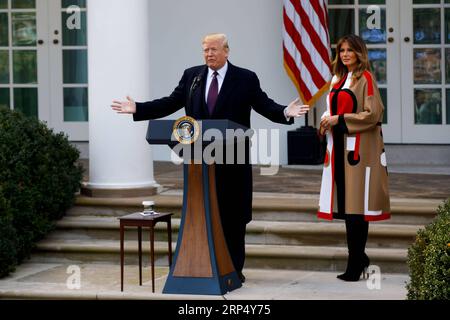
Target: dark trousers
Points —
{"points": [[235, 237], [234, 195]]}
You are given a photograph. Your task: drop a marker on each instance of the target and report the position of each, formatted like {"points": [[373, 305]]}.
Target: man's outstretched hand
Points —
{"points": [[126, 107], [296, 109]]}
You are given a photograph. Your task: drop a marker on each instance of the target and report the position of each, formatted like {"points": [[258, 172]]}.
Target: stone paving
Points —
{"points": [[102, 281], [307, 180]]}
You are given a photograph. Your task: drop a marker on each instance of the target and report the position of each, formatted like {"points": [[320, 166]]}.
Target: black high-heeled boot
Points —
{"points": [[356, 267], [357, 232], [350, 270]]}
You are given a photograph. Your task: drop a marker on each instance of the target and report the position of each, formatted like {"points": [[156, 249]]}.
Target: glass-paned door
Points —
{"points": [[43, 62], [69, 68], [19, 77], [376, 22], [426, 89]]}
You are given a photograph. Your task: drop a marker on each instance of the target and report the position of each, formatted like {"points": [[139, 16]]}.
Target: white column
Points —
{"points": [[118, 44]]}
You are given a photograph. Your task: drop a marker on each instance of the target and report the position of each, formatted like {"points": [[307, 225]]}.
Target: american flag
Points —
{"points": [[306, 45]]}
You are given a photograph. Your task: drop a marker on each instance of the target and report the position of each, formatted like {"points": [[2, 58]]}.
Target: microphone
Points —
{"points": [[196, 82], [194, 86]]}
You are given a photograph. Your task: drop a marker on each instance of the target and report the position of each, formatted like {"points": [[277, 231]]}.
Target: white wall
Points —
{"points": [[254, 28]]}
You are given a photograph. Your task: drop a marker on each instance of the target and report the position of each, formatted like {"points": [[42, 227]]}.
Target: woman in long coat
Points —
{"points": [[355, 177]]}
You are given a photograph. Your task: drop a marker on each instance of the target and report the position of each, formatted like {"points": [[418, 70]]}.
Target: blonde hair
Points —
{"points": [[362, 54], [218, 36]]}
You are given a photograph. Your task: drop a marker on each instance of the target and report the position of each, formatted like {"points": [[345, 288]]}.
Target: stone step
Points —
{"points": [[93, 228], [266, 206], [316, 258], [285, 233]]}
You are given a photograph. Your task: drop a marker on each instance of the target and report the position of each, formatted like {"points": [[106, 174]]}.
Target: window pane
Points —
{"points": [[3, 4], [447, 65], [75, 66], [369, 31], [26, 101], [342, 22], [427, 106], [377, 58], [23, 4], [383, 93], [76, 105], [4, 67], [25, 66], [4, 97], [427, 26], [4, 29], [448, 106], [24, 29], [427, 66], [79, 3], [74, 37], [447, 25]]}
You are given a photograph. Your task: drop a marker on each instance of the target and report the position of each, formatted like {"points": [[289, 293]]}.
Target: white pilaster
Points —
{"points": [[118, 39]]}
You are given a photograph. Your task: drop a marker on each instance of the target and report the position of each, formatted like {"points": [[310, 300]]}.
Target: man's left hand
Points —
{"points": [[296, 110]]}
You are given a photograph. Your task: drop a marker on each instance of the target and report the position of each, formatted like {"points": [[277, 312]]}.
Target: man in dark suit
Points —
{"points": [[220, 90]]}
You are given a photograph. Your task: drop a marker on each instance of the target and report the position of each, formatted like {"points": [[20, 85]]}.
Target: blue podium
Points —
{"points": [[202, 263]]}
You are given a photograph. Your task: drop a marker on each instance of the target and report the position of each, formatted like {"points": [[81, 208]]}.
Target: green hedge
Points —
{"points": [[8, 252], [429, 259], [38, 178]]}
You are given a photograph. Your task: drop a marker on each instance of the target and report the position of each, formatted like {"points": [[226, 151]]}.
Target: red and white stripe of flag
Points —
{"points": [[306, 45]]}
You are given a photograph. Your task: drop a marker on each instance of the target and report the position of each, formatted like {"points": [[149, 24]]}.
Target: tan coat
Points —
{"points": [[366, 175]]}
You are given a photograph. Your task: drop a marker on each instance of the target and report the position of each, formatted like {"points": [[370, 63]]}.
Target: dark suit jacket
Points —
{"points": [[240, 93]]}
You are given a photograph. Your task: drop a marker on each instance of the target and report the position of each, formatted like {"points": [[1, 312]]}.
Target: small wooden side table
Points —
{"points": [[139, 221]]}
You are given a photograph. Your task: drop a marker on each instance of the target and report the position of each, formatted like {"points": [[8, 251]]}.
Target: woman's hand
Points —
{"points": [[328, 122]]}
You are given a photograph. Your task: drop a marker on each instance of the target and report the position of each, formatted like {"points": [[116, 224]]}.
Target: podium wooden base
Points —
{"points": [[202, 263]]}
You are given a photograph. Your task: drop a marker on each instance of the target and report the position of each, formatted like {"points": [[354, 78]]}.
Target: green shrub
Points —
{"points": [[429, 259], [7, 238], [38, 175]]}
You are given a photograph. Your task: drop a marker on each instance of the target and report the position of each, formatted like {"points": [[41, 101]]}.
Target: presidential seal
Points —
{"points": [[186, 130]]}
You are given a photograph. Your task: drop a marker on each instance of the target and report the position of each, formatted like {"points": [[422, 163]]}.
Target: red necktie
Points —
{"points": [[213, 93]]}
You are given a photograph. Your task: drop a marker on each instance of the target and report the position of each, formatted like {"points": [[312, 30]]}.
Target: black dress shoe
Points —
{"points": [[241, 277]]}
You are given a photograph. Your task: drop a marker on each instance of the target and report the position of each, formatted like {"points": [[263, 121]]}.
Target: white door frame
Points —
{"points": [[392, 132], [43, 61]]}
